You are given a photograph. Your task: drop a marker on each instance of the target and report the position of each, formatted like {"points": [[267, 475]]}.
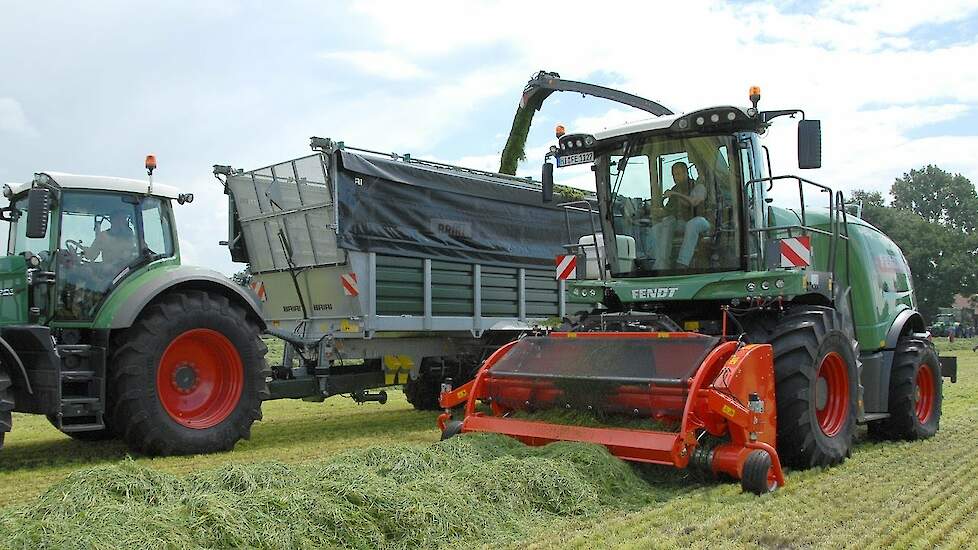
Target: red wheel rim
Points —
{"points": [[832, 394], [200, 378], [924, 394]]}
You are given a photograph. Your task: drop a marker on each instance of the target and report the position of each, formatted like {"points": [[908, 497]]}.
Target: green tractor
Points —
{"points": [[748, 311], [107, 335]]}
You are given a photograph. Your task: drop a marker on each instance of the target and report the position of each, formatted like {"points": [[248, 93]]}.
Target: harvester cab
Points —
{"points": [[717, 327]]}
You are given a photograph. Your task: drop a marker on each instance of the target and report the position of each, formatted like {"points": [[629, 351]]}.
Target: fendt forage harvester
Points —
{"points": [[748, 335]]}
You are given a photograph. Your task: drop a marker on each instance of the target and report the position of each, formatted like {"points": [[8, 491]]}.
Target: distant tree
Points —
{"points": [[868, 199], [938, 197]]}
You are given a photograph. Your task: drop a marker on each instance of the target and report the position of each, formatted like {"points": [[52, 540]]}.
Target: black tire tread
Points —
{"points": [[423, 392], [6, 405], [754, 477], [134, 414], [796, 341], [902, 423]]}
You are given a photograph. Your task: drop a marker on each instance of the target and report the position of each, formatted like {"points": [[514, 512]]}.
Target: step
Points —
{"points": [[870, 417], [79, 400], [82, 427], [77, 375]]}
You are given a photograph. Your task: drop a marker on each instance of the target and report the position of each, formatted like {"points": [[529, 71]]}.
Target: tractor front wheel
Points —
{"points": [[189, 376], [815, 367], [6, 405]]}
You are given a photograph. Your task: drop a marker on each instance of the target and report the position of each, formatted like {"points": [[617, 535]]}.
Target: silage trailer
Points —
{"points": [[382, 269]]}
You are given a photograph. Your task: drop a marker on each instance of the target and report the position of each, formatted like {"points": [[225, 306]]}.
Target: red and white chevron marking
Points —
{"points": [[566, 267], [259, 289], [349, 281], [796, 252]]}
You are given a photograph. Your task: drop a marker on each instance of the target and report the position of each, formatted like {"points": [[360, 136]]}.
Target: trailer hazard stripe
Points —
{"points": [[566, 267], [349, 281], [259, 289], [796, 252]]}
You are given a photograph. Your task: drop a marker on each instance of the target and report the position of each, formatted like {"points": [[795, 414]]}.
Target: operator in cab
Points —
{"points": [[683, 215], [116, 245]]}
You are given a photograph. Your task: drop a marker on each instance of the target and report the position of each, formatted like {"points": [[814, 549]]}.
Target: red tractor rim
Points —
{"points": [[924, 394], [200, 379], [834, 409]]}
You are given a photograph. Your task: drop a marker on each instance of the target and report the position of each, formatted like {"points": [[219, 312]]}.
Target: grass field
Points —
{"points": [[887, 495]]}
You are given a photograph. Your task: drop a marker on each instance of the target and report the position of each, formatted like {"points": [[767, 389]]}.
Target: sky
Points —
{"points": [[93, 87]]}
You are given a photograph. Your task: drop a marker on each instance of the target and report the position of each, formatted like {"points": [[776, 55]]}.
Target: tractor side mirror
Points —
{"points": [[548, 182], [38, 208], [809, 144]]}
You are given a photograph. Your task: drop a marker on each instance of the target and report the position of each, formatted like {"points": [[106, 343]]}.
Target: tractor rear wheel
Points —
{"points": [[6, 405], [815, 367], [915, 393], [189, 376]]}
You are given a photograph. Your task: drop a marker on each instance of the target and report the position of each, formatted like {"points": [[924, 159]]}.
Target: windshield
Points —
{"points": [[674, 206]]}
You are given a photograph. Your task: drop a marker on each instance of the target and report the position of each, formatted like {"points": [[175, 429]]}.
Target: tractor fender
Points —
{"points": [[185, 278], [907, 318], [10, 361]]}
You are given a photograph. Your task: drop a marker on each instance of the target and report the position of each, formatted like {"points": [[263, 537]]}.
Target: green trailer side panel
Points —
{"points": [[13, 290], [400, 289]]}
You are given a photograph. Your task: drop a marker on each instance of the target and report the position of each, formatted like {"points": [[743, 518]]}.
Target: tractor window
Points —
{"points": [[157, 235], [97, 244], [678, 200]]}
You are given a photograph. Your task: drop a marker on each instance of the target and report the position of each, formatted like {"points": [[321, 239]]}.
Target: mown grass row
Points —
{"points": [[887, 495]]}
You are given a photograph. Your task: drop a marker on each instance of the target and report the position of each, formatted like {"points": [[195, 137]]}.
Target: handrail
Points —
{"points": [[575, 205]]}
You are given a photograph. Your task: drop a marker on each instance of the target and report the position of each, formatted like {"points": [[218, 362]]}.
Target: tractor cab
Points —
{"points": [[80, 236]]}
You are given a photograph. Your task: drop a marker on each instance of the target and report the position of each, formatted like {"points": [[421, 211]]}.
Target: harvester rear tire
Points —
{"points": [[915, 393], [148, 414], [807, 340], [423, 392], [6, 405], [756, 476]]}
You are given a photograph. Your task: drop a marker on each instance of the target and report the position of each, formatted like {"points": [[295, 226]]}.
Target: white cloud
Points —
{"points": [[383, 64], [13, 120]]}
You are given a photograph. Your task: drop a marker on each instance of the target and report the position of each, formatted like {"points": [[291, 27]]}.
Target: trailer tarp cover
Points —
{"points": [[408, 209]]}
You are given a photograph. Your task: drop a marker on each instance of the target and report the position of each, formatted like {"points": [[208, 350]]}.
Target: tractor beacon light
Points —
{"points": [[560, 130], [150, 164]]}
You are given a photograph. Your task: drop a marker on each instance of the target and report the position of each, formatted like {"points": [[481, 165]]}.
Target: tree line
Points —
{"points": [[932, 215]]}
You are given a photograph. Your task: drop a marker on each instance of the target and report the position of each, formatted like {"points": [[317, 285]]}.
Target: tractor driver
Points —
{"points": [[116, 245], [683, 215]]}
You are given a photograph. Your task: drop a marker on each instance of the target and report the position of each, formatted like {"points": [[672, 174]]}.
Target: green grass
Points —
{"points": [[417, 493]]}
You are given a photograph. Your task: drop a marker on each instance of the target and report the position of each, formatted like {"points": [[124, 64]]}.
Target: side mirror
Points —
{"points": [[548, 182], [809, 144], [38, 208]]}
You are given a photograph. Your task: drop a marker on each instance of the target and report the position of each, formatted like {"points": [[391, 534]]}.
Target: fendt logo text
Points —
{"points": [[651, 293]]}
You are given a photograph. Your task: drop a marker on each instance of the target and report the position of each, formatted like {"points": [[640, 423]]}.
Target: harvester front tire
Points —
{"points": [[915, 393], [814, 360], [6, 405], [756, 475], [216, 360]]}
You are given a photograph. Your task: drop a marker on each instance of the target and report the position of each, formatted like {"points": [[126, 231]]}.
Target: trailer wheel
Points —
{"points": [[423, 392], [815, 368], [6, 405], [758, 476], [189, 376], [915, 393]]}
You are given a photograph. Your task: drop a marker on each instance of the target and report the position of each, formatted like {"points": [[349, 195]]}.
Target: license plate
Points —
{"points": [[576, 158]]}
